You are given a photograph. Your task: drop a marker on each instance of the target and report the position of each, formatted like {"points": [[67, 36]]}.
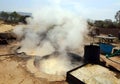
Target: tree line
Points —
{"points": [[108, 23], [13, 17]]}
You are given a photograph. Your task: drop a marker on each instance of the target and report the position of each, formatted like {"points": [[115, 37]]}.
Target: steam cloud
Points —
{"points": [[51, 31]]}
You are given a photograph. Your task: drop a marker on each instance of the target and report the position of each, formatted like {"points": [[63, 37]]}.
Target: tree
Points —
{"points": [[90, 22], [99, 23], [117, 16], [108, 24], [23, 19], [4, 15], [14, 17]]}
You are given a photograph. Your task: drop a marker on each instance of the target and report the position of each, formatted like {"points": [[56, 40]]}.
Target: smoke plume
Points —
{"points": [[50, 31]]}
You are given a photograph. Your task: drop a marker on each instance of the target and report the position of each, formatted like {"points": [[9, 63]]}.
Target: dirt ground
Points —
{"points": [[5, 27], [13, 69]]}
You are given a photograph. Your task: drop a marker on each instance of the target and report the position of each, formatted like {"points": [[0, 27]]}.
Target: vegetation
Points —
{"points": [[106, 23], [13, 17], [117, 16]]}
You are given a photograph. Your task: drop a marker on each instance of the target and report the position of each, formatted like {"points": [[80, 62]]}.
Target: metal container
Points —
{"points": [[92, 54], [71, 79], [105, 48]]}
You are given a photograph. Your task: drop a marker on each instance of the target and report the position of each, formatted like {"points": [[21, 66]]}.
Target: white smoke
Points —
{"points": [[56, 65], [49, 31]]}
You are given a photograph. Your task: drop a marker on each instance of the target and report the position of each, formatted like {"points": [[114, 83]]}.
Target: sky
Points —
{"points": [[90, 9]]}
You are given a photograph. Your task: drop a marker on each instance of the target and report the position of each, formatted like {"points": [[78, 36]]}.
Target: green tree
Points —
{"points": [[14, 17], [99, 23], [117, 16], [116, 25], [108, 24], [90, 22], [4, 15]]}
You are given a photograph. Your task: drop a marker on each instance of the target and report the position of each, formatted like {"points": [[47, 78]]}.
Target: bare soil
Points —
{"points": [[13, 69]]}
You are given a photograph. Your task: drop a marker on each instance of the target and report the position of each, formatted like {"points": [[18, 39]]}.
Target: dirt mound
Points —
{"points": [[5, 27]]}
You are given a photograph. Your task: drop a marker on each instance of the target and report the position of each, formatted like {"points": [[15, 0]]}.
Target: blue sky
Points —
{"points": [[92, 9]]}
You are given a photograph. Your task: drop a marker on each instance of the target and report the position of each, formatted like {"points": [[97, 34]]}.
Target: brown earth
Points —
{"points": [[5, 27], [13, 69]]}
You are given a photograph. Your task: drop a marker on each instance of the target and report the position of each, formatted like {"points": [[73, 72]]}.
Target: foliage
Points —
{"points": [[90, 22], [117, 16], [12, 17], [4, 15], [107, 23], [99, 23]]}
